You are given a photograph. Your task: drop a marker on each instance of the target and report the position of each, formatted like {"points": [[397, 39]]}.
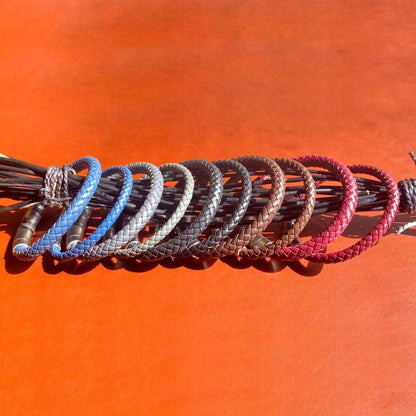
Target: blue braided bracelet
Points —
{"points": [[139, 220], [109, 220], [26, 251]]}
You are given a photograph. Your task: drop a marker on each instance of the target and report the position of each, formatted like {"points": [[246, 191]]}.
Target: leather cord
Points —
{"points": [[243, 175], [269, 248], [135, 248], [22, 248], [214, 209], [78, 249], [244, 235], [384, 223], [199, 223], [342, 219], [139, 220]]}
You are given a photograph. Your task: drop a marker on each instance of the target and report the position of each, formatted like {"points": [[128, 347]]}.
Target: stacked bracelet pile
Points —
{"points": [[251, 206]]}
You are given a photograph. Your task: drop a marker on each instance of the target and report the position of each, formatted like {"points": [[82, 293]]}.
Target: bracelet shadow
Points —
{"points": [[51, 266], [360, 225], [10, 221]]}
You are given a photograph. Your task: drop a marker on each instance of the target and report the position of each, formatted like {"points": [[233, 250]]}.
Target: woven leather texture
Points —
{"points": [[244, 235], [240, 209], [343, 217], [135, 248], [199, 216], [384, 223], [108, 221], [136, 223], [299, 224], [70, 215], [201, 221]]}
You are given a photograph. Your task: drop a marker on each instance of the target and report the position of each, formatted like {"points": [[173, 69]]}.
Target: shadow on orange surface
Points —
{"points": [[358, 226]]}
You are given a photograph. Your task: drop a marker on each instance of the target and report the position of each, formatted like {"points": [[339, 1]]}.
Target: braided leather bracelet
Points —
{"points": [[372, 237], [187, 236], [338, 224], [240, 209], [245, 235], [300, 222], [109, 220], [225, 213], [22, 247], [136, 223], [135, 248]]}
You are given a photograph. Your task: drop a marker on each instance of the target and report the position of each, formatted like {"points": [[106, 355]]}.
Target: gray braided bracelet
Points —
{"points": [[234, 218], [135, 248], [136, 223], [200, 169]]}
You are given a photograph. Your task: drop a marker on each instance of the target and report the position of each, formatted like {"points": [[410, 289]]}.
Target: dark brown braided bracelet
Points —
{"points": [[244, 235], [265, 247], [203, 171]]}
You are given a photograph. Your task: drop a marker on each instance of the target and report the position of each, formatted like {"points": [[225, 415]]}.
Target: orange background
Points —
{"points": [[164, 80]]}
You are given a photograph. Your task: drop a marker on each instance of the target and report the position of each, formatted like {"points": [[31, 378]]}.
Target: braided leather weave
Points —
{"points": [[300, 222], [234, 243], [135, 248], [109, 220], [128, 232], [206, 210], [236, 215], [71, 214], [339, 223], [380, 228], [200, 223]]}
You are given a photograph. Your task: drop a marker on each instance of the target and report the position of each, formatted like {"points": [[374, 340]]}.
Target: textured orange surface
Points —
{"points": [[164, 80]]}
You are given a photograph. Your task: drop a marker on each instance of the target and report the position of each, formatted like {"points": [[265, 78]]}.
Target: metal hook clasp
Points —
{"points": [[413, 223]]}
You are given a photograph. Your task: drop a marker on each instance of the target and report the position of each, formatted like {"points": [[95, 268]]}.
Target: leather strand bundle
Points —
{"points": [[251, 206]]}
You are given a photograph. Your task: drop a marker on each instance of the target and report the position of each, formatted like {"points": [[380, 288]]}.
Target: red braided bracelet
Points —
{"points": [[380, 228], [343, 217]]}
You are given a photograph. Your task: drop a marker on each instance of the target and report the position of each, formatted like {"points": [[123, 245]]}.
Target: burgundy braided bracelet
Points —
{"points": [[380, 228], [342, 219]]}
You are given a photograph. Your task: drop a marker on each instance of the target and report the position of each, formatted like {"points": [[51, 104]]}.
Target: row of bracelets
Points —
{"points": [[202, 193]]}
